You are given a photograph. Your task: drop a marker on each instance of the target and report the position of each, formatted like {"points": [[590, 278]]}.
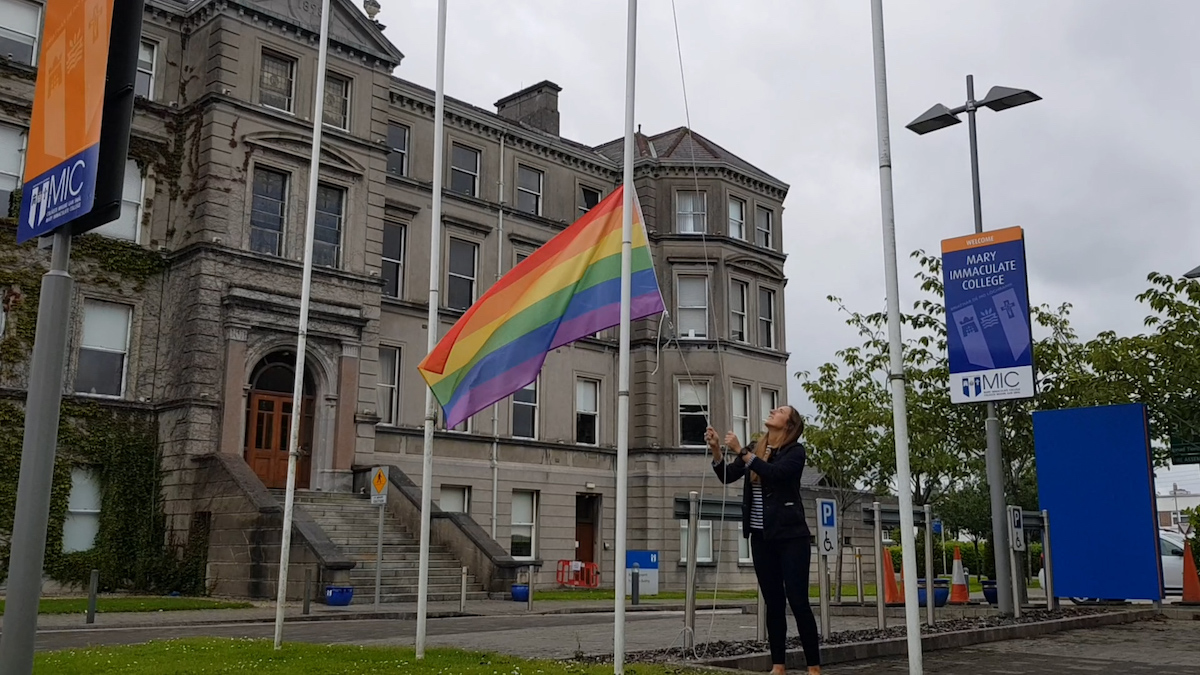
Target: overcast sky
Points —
{"points": [[1100, 172]]}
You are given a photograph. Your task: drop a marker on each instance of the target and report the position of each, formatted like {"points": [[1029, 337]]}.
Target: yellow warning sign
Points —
{"points": [[379, 482]]}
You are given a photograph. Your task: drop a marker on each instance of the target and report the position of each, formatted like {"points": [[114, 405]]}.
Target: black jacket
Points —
{"points": [[783, 510]]}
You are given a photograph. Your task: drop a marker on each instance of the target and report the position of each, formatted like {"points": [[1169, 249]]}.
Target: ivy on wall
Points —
{"points": [[132, 548], [107, 261]]}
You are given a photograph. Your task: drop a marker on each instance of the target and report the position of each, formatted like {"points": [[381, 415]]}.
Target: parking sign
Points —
{"points": [[1016, 528], [827, 535]]}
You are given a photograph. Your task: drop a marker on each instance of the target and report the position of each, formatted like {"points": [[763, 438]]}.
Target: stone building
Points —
{"points": [[216, 187]]}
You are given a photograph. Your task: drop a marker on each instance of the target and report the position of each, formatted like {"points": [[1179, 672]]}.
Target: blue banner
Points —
{"points": [[58, 196], [988, 332]]}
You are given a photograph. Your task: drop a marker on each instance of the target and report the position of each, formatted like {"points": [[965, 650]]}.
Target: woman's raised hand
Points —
{"points": [[710, 437], [731, 441]]}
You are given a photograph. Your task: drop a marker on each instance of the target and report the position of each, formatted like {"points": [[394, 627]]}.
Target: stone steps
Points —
{"points": [[351, 522]]}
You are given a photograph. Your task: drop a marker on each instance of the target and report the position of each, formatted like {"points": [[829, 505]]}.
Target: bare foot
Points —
{"points": [[814, 670], [778, 670]]}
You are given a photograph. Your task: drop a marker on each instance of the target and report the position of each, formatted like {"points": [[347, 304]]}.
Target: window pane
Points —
{"points": [[588, 198], [462, 183], [398, 142], [465, 159], [585, 395], [105, 326], [337, 101], [522, 507], [529, 179], [585, 428], [459, 293], [763, 226], [462, 258], [769, 400], [692, 292], [387, 365], [522, 542], [393, 258], [100, 372], [126, 225], [275, 81], [527, 203], [453, 499], [737, 218], [523, 421], [267, 211], [18, 35]]}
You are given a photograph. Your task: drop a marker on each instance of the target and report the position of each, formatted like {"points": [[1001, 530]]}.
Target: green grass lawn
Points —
{"points": [[209, 655], [131, 604]]}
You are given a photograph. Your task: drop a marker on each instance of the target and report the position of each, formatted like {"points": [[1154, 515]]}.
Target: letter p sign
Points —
{"points": [[828, 517]]}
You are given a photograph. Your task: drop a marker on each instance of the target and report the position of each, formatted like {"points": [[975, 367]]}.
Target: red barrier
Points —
{"points": [[577, 574]]}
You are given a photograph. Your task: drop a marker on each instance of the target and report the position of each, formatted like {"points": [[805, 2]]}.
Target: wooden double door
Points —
{"points": [[267, 436]]}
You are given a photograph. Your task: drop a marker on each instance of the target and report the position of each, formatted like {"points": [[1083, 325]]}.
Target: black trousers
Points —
{"points": [[782, 569]]}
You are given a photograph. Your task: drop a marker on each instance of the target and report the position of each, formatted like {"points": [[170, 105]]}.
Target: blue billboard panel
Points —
{"points": [[988, 333], [1096, 482]]}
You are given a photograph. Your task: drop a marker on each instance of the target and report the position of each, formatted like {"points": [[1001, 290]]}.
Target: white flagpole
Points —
{"points": [[435, 273], [623, 353], [908, 541], [314, 170]]}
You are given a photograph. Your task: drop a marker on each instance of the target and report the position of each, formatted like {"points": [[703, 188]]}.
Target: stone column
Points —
{"points": [[344, 427], [233, 399]]}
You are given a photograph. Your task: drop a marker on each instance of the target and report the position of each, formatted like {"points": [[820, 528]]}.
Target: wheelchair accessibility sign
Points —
{"points": [[827, 534]]}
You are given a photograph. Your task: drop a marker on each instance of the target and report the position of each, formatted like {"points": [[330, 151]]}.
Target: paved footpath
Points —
{"points": [[1143, 648]]}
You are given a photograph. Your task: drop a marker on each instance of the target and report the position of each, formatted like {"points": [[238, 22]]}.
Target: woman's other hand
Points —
{"points": [[731, 442], [710, 437]]}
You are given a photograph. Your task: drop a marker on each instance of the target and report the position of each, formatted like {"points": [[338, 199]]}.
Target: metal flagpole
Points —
{"points": [[895, 350], [435, 273], [314, 170], [623, 353]]}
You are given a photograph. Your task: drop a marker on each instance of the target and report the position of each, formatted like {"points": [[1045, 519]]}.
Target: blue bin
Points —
{"points": [[338, 596], [520, 592], [941, 592], [989, 591]]}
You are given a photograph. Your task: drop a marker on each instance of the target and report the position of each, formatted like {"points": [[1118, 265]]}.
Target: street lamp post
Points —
{"points": [[940, 117]]}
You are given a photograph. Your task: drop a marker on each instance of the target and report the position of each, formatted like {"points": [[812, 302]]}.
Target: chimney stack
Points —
{"points": [[535, 106]]}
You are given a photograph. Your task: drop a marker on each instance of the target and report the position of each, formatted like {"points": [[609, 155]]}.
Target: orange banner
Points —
{"points": [[982, 239], [68, 110]]}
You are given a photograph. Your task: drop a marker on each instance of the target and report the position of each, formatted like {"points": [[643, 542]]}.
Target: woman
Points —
{"points": [[773, 520]]}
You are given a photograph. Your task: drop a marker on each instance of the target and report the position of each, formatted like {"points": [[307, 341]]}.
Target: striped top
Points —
{"points": [[756, 506], [567, 289]]}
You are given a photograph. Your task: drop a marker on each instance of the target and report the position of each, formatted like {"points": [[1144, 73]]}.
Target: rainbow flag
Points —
{"points": [[567, 289]]}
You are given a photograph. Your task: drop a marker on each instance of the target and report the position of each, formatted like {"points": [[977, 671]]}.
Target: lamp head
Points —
{"points": [[937, 117]]}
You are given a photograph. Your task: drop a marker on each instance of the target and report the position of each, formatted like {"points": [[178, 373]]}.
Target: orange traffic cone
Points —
{"points": [[960, 593], [891, 592], [1191, 580]]}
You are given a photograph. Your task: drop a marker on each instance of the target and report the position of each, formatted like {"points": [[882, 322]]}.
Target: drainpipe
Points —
{"points": [[496, 406]]}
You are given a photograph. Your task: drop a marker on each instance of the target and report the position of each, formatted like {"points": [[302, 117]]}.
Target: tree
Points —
{"points": [[844, 441]]}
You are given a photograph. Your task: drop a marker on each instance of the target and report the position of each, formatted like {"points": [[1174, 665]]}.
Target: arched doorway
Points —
{"points": [[269, 419]]}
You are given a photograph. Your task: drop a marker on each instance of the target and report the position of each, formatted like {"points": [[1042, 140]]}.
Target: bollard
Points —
{"points": [[929, 585], [1016, 581], [635, 583], [823, 578], [462, 594], [93, 587], [379, 558], [529, 600], [689, 610], [307, 589], [762, 618], [1051, 601], [879, 601], [858, 578]]}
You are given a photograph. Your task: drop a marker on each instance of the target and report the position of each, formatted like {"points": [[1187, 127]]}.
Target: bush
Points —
{"points": [[977, 562]]}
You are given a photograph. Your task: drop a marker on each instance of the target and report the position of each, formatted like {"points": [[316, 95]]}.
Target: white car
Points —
{"points": [[1170, 546]]}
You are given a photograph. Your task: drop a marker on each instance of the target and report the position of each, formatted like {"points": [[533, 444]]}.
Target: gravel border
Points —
{"points": [[722, 651]]}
